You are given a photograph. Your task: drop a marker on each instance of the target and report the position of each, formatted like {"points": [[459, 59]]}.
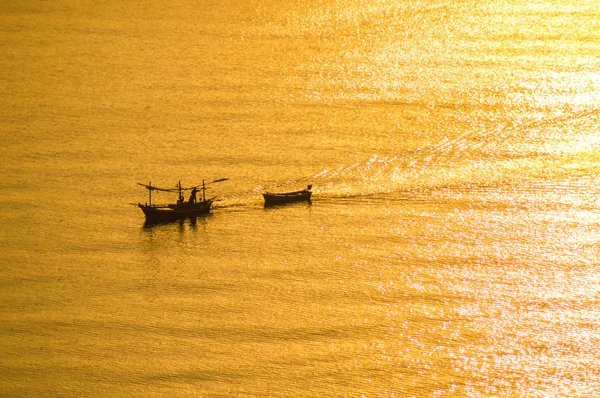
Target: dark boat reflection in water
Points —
{"points": [[161, 213], [272, 199]]}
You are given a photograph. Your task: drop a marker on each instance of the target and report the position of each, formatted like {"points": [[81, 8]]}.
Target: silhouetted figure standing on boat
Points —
{"points": [[192, 199]]}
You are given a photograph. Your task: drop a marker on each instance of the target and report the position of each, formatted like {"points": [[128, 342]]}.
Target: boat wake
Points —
{"points": [[470, 160]]}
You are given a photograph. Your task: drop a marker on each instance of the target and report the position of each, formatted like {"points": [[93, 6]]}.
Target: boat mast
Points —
{"points": [[203, 191], [150, 194]]}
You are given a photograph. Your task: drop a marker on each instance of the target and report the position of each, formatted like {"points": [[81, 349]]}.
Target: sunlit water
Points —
{"points": [[451, 247]]}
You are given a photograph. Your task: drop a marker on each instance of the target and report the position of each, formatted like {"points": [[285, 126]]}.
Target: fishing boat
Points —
{"points": [[287, 197], [193, 207]]}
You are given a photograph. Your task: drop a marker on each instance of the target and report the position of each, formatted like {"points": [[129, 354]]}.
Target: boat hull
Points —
{"points": [[272, 199], [159, 214]]}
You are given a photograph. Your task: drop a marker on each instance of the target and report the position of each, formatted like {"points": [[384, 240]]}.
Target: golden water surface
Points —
{"points": [[451, 247]]}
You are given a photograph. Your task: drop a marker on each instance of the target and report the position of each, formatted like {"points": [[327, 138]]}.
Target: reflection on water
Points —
{"points": [[183, 224]]}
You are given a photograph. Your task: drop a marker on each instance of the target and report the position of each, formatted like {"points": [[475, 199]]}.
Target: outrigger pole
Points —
{"points": [[150, 188]]}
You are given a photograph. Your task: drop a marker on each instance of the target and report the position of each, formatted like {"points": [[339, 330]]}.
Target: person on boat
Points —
{"points": [[192, 199], [309, 187]]}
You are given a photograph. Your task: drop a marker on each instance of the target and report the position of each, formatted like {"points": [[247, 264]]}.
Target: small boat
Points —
{"points": [[287, 197], [157, 213]]}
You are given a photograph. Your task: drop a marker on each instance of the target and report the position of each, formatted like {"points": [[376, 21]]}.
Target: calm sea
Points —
{"points": [[452, 247]]}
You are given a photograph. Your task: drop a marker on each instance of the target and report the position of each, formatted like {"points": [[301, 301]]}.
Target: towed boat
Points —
{"points": [[287, 197], [159, 213]]}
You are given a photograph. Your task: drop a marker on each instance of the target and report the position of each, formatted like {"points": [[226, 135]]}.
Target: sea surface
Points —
{"points": [[451, 249]]}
